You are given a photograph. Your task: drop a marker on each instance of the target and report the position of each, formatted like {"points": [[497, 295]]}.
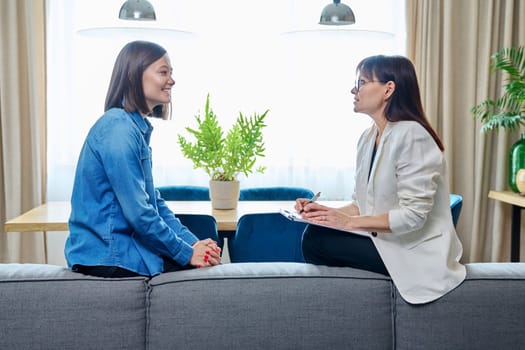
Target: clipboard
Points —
{"points": [[292, 215]]}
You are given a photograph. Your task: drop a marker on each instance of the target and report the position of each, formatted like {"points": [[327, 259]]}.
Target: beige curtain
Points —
{"points": [[22, 123], [450, 43]]}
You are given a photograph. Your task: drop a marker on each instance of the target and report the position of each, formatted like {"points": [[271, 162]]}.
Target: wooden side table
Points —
{"points": [[518, 203]]}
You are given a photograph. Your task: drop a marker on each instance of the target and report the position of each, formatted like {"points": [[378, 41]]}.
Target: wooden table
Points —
{"points": [[53, 216], [518, 203]]}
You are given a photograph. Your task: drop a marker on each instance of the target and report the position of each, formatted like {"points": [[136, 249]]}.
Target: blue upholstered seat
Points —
{"points": [[456, 202], [266, 237], [202, 225], [277, 193], [184, 193]]}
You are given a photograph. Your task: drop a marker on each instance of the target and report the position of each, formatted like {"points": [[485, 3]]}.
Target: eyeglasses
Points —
{"points": [[360, 82]]}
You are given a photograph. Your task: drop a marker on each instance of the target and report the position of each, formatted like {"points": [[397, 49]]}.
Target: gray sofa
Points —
{"points": [[256, 306]]}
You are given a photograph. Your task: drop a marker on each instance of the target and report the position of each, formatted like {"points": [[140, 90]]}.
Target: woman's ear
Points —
{"points": [[390, 88]]}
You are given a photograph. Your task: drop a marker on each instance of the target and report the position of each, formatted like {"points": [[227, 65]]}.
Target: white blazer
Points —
{"points": [[408, 181]]}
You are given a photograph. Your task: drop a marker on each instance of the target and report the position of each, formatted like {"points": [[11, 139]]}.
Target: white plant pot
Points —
{"points": [[224, 194]]}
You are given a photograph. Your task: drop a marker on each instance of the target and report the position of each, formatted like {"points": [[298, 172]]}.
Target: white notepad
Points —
{"points": [[292, 215]]}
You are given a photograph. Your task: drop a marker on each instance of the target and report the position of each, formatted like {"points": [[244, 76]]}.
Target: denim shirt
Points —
{"points": [[117, 216]]}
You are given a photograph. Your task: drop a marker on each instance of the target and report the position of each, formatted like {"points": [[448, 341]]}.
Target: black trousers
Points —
{"points": [[118, 272], [326, 246]]}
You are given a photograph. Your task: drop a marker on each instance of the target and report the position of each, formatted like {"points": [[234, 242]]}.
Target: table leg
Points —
{"points": [[515, 234], [45, 247]]}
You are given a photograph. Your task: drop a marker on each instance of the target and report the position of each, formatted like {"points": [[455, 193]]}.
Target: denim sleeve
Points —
{"points": [[127, 161]]}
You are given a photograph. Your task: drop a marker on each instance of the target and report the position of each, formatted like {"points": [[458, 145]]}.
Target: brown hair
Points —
{"points": [[125, 87], [405, 102]]}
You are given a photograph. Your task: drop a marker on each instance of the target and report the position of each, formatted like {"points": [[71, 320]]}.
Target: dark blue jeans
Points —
{"points": [[326, 246]]}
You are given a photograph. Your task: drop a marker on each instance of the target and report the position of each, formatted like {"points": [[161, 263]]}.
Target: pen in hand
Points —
{"points": [[314, 198]]}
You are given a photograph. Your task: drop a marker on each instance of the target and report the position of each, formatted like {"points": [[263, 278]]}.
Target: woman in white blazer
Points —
{"points": [[401, 194]]}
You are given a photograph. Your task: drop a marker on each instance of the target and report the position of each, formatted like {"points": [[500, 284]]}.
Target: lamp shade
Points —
{"points": [[137, 10], [337, 14]]}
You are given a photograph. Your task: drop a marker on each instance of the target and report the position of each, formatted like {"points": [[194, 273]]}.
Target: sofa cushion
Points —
{"points": [[271, 306], [45, 306], [487, 311]]}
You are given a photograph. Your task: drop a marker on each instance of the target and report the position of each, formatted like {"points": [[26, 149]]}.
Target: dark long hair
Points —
{"points": [[125, 87], [405, 102]]}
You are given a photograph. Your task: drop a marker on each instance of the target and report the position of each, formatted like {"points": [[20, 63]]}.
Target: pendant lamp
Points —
{"points": [[337, 14], [137, 10]]}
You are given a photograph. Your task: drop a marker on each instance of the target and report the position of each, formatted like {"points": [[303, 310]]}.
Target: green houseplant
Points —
{"points": [[508, 111], [225, 155]]}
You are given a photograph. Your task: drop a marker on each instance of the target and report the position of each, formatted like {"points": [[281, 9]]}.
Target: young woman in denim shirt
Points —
{"points": [[119, 225]]}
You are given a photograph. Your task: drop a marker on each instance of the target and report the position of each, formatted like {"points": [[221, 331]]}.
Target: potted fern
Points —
{"points": [[223, 156], [507, 112]]}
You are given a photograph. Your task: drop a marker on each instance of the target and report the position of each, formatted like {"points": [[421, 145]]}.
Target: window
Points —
{"points": [[249, 56]]}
